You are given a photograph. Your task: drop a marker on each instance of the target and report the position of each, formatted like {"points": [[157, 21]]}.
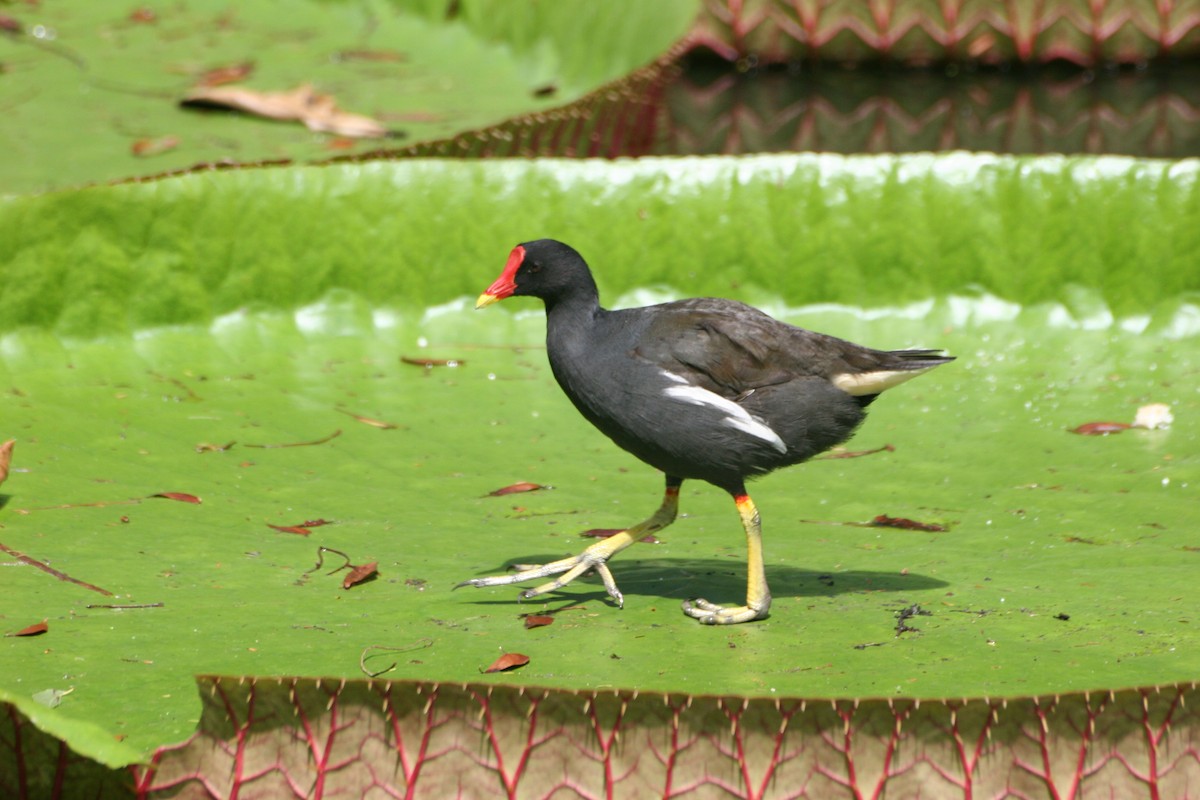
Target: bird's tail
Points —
{"points": [[890, 368]]}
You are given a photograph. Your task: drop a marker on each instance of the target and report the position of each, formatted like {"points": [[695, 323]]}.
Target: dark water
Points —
{"points": [[713, 107]]}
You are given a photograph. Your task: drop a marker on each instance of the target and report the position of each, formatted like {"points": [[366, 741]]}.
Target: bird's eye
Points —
{"points": [[534, 266]]}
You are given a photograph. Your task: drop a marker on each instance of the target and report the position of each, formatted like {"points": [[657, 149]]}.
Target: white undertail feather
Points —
{"points": [[865, 383], [735, 416]]}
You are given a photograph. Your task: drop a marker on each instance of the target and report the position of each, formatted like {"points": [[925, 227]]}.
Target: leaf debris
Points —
{"points": [[317, 111], [322, 440], [884, 521], [36, 629], [62, 576], [905, 614], [419, 644], [182, 497], [517, 488], [507, 662], [374, 423], [361, 574]]}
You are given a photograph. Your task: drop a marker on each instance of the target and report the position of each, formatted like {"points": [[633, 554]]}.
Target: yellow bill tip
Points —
{"points": [[485, 300]]}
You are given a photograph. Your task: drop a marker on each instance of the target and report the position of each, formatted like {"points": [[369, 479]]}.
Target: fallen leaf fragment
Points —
{"points": [[315, 523], [144, 148], [299, 530], [207, 447], [429, 363], [182, 497], [517, 488], [884, 521], [374, 423], [322, 440], [36, 629], [508, 661], [604, 533], [230, 73], [319, 112], [538, 621], [6, 451], [62, 576], [1100, 428], [359, 574]]}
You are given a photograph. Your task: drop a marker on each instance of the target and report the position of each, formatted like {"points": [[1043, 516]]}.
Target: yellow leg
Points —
{"points": [[593, 558], [758, 596]]}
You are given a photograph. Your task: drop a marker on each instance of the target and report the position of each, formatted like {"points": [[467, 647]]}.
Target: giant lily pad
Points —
{"points": [[91, 91], [206, 336]]}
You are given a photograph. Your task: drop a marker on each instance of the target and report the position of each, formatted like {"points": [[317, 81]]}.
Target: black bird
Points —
{"points": [[705, 388]]}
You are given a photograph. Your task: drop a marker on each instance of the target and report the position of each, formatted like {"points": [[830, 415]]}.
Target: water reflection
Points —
{"points": [[1151, 111]]}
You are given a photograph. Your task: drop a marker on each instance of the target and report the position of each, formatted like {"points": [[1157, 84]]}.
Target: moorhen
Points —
{"points": [[705, 388]]}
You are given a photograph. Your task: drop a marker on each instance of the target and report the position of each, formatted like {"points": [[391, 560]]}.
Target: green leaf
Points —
{"points": [[84, 84], [209, 334]]}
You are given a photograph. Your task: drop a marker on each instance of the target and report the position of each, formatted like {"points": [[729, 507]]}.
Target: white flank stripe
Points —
{"points": [[862, 383], [735, 416]]}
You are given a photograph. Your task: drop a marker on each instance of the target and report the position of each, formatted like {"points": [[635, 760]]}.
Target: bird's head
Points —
{"points": [[545, 268]]}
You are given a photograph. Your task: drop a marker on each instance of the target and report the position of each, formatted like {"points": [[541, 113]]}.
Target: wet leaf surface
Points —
{"points": [[981, 442], [92, 79]]}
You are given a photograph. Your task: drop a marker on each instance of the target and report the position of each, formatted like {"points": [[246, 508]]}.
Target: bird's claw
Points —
{"points": [[712, 614], [568, 569]]}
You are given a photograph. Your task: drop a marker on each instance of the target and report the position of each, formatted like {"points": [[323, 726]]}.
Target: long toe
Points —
{"points": [[566, 570], [712, 614]]}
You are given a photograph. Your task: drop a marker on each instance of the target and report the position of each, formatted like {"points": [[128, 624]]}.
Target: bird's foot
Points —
{"points": [[712, 614], [567, 570]]}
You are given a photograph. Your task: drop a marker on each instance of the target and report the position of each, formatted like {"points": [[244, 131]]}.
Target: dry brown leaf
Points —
{"points": [[300, 530], [1100, 428], [359, 574], [6, 451], [374, 423], [230, 73], [538, 621], [144, 148], [36, 629], [508, 661], [182, 497], [319, 112], [517, 488]]}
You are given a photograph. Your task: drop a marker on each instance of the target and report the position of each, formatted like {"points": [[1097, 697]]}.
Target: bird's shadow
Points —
{"points": [[721, 580]]}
